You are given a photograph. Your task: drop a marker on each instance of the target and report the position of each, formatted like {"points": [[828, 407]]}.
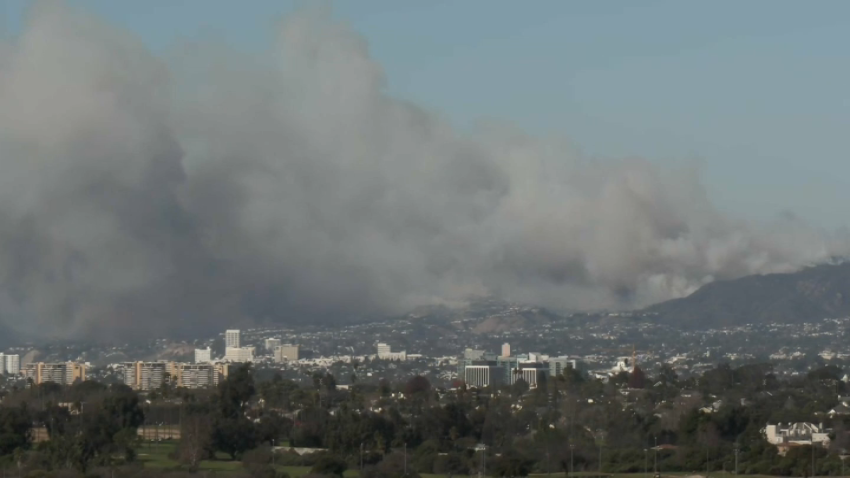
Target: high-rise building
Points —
{"points": [[197, 375], [63, 373], [506, 349], [149, 375], [271, 344], [286, 353], [530, 372], [483, 375], [557, 365], [221, 370], [232, 339], [10, 364], [239, 354], [203, 355]]}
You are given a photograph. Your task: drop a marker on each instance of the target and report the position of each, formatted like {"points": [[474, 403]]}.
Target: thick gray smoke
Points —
{"points": [[137, 196]]}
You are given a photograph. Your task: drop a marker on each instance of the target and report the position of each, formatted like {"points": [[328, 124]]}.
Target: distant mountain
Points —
{"points": [[813, 293]]}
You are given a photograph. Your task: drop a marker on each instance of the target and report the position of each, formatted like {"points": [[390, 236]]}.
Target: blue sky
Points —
{"points": [[755, 91]]}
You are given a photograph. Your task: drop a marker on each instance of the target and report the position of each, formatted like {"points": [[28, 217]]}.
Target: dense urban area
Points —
{"points": [[493, 388]]}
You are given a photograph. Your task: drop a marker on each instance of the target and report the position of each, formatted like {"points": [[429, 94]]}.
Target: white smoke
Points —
{"points": [[139, 195]]}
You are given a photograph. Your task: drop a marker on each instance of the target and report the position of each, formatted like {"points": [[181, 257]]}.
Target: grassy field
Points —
{"points": [[157, 457]]}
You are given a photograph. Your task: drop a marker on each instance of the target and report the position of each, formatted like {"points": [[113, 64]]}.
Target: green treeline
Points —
{"points": [[633, 423]]}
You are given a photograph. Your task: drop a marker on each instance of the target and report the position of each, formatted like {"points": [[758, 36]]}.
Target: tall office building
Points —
{"points": [[483, 375], [286, 353], [506, 349], [63, 373], [203, 355], [10, 364], [13, 364], [198, 375], [271, 344], [232, 339]]}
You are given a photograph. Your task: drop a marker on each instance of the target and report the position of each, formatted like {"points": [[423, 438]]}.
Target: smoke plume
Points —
{"points": [[141, 196]]}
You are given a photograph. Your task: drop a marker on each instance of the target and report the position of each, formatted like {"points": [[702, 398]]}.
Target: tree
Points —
{"points": [[511, 463], [272, 427], [637, 379], [519, 388], [235, 392], [450, 464], [234, 436], [14, 429], [330, 465], [195, 439], [667, 375], [417, 385]]}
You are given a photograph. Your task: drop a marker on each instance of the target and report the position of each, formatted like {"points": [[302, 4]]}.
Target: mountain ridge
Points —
{"points": [[813, 293]]}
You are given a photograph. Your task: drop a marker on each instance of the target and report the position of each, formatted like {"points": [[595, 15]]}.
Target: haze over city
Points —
{"points": [[162, 178]]}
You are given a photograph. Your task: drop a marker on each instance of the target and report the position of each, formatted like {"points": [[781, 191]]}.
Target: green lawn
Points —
{"points": [[156, 456]]}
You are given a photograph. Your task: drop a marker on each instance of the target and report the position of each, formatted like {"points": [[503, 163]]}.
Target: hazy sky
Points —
{"points": [[755, 90], [204, 165]]}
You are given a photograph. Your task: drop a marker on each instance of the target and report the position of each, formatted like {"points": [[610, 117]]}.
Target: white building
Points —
{"points": [[10, 364], [270, 344], [801, 433], [506, 349], [199, 375], [203, 355], [239, 354], [232, 339], [386, 353]]}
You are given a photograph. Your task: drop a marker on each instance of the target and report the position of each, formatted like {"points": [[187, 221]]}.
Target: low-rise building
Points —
{"points": [[801, 433], [239, 354]]}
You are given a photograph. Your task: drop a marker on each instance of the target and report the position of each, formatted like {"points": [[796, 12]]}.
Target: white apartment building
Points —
{"points": [[239, 354], [10, 364], [385, 353], [203, 355], [270, 344], [802, 433], [198, 375], [149, 375], [232, 339]]}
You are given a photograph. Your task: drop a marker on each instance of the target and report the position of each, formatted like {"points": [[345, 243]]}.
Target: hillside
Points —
{"points": [[810, 294]]}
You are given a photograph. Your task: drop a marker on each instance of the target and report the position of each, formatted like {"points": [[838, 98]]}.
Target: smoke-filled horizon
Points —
{"points": [[143, 195]]}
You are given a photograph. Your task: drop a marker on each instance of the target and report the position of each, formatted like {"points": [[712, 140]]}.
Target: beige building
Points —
{"points": [[239, 354], [63, 373], [286, 353], [152, 375], [149, 375], [204, 375]]}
